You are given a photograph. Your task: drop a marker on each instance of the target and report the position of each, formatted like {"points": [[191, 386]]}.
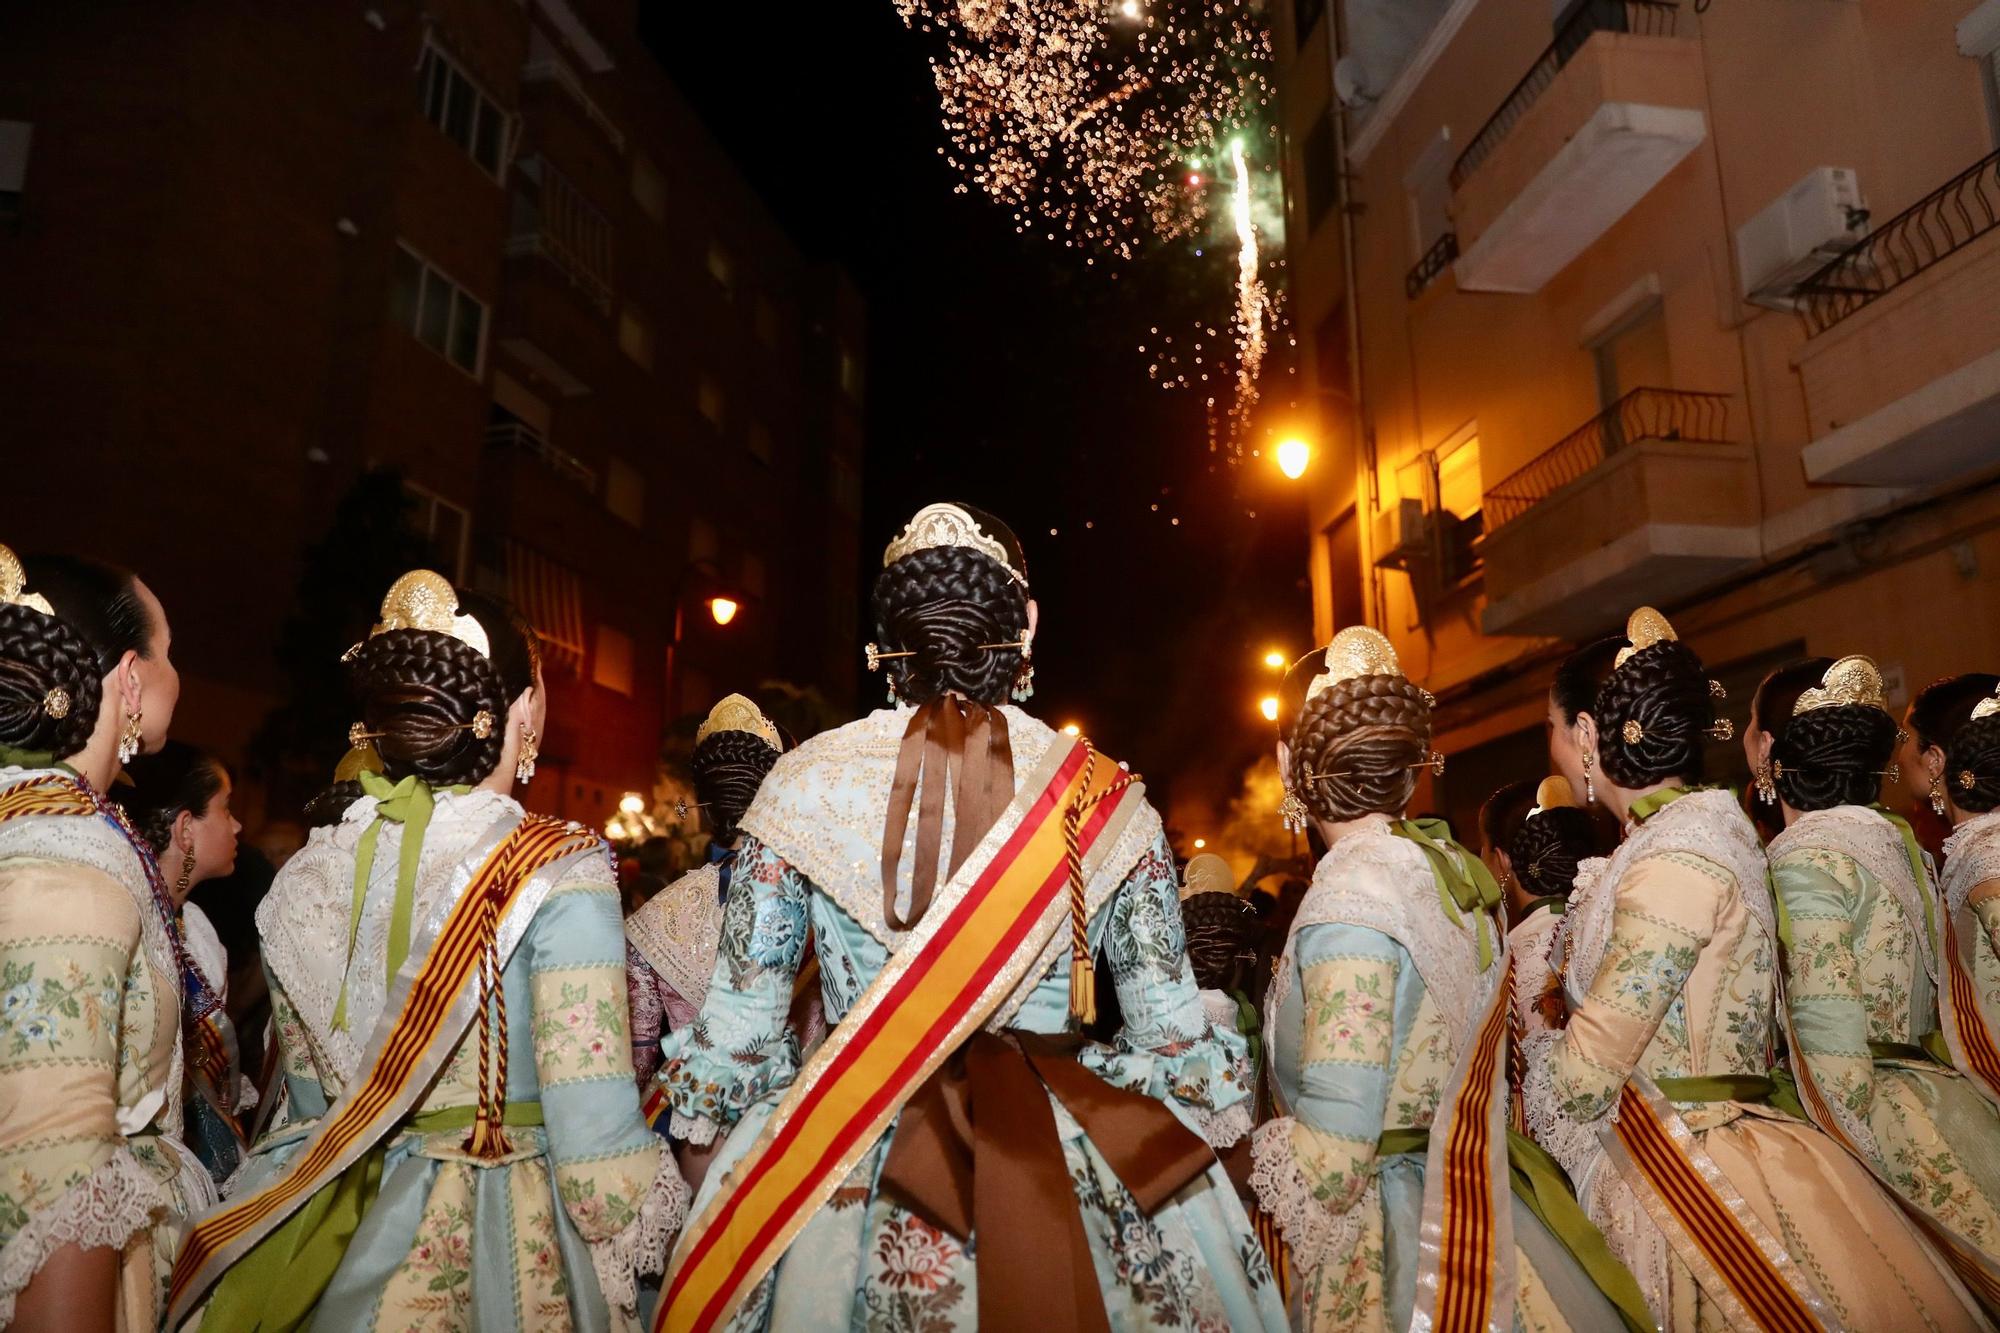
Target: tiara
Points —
{"points": [[1358, 650], [736, 713], [1850, 682], [1986, 707], [1644, 627], [14, 583], [423, 599], [1553, 794], [948, 525]]}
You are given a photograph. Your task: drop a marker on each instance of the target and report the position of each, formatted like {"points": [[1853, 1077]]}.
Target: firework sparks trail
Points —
{"points": [[1253, 302]]}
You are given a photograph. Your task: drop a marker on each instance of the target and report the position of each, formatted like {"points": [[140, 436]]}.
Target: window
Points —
{"points": [[708, 397], [1459, 501], [442, 315], [1331, 366], [14, 137], [446, 527], [611, 664], [720, 266], [649, 188], [1321, 170], [1632, 354], [850, 373], [767, 322], [625, 492], [635, 337], [758, 440], [468, 117]]}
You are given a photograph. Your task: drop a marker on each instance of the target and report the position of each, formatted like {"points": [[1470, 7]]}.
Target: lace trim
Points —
{"points": [[1971, 857], [1572, 1142], [1314, 1234], [679, 931], [1865, 837], [104, 1210], [1227, 1126], [642, 1246], [696, 1129]]}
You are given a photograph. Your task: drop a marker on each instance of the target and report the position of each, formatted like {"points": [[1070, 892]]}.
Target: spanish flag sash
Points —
{"points": [[982, 936], [1974, 1051], [431, 1004]]}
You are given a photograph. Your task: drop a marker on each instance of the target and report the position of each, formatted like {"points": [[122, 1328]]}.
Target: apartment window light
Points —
{"points": [[453, 102]]}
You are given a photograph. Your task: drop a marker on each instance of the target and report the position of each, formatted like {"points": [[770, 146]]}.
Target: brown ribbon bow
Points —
{"points": [[977, 1151], [951, 742]]}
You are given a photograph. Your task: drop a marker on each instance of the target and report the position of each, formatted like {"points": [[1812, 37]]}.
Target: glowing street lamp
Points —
{"points": [[1200, 843], [1293, 455], [1275, 660], [632, 803], [723, 609], [1072, 729], [1268, 706]]}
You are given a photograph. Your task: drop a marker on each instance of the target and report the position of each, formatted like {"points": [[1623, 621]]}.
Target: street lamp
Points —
{"points": [[1275, 660], [1268, 706], [1293, 455], [632, 803], [1200, 843], [1071, 729], [723, 609]]}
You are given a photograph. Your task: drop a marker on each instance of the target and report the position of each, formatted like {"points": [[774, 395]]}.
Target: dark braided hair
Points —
{"points": [[1356, 746], [1662, 687], [178, 778], [1826, 756], [1222, 935], [98, 618], [1943, 706], [1500, 817], [941, 604], [1974, 752], [729, 767], [421, 690], [1548, 844]]}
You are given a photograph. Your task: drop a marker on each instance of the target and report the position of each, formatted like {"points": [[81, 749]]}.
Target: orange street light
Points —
{"points": [[1200, 843], [1072, 729], [1293, 455], [723, 609], [632, 803], [1275, 660], [1268, 706]]}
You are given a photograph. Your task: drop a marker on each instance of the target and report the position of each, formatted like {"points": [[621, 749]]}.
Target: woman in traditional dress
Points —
{"points": [[1970, 889], [1386, 1006], [1222, 932], [1934, 717], [1655, 1096], [94, 1182], [670, 942], [460, 1144], [927, 850], [1553, 842], [178, 799]]}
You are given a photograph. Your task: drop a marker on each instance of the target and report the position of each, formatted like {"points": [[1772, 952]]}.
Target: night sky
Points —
{"points": [[1004, 372]]}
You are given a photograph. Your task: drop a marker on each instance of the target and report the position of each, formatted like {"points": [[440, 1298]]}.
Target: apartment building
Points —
{"points": [[1608, 302], [246, 256]]}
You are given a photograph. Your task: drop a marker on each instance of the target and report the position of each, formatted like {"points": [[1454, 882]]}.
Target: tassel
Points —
{"points": [[1083, 991], [1082, 972], [488, 1140]]}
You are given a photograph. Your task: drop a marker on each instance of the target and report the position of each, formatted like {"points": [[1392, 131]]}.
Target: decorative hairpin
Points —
{"points": [[1715, 690], [1986, 707], [683, 807], [1433, 760], [1634, 731], [1722, 729], [948, 525], [1967, 779], [876, 656], [481, 726], [1851, 682], [14, 583], [734, 712], [56, 702], [1020, 645], [424, 599], [1358, 650], [1643, 628]]}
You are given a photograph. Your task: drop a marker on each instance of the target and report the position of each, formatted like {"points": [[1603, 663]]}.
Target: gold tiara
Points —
{"points": [[1852, 681], [1988, 706], [1358, 650], [736, 713], [1553, 794], [14, 583], [948, 525], [1645, 627], [423, 599]]}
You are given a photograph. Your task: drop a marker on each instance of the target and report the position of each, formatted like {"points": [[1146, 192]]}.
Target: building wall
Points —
{"points": [[198, 352], [1782, 87]]}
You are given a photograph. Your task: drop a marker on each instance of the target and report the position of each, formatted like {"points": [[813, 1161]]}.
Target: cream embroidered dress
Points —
{"points": [[1375, 994], [90, 1059], [551, 1236], [1669, 959]]}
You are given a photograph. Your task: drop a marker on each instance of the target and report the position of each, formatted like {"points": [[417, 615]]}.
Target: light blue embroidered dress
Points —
{"points": [[862, 1261], [552, 1235]]}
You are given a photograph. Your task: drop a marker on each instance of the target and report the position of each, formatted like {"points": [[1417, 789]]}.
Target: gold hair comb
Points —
{"points": [[424, 599], [1357, 651], [14, 583], [941, 525], [481, 726], [1851, 682]]}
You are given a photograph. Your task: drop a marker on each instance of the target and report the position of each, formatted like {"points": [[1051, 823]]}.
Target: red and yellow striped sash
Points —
{"points": [[53, 794], [1973, 1048], [373, 1106], [954, 972], [1463, 1229], [1708, 1221]]}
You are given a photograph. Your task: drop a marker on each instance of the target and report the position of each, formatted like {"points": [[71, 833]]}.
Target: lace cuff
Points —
{"points": [[642, 1246], [1571, 1142], [1313, 1233], [696, 1129], [1227, 1127], [104, 1210]]}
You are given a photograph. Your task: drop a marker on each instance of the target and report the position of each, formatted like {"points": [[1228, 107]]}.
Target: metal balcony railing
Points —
{"points": [[1435, 261], [1643, 414], [523, 438], [548, 67], [552, 218], [1646, 18], [1946, 220]]}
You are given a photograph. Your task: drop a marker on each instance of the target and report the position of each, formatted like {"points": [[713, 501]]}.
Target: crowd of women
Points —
{"points": [[939, 1036]]}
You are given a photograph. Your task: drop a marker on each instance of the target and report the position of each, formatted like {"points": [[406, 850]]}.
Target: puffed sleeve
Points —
{"points": [[1167, 1047], [615, 1176], [740, 1047], [69, 941], [1820, 892], [1313, 1167]]}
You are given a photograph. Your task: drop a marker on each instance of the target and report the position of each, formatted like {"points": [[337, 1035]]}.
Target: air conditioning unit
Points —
{"points": [[1803, 230], [1402, 534]]}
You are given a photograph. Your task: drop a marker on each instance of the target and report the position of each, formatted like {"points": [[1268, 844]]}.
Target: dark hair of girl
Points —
{"points": [[1662, 688], [98, 618], [941, 604], [1826, 756], [1972, 765], [178, 778], [1546, 847], [1222, 935], [1942, 706], [421, 691], [1356, 746], [729, 767], [1500, 817]]}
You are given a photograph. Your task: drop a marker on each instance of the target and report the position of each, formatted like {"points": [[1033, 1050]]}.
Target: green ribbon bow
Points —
{"points": [[408, 803], [1653, 802], [1464, 882]]}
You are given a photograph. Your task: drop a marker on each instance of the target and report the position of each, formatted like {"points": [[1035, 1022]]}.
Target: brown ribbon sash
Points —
{"points": [[977, 1151], [951, 742]]}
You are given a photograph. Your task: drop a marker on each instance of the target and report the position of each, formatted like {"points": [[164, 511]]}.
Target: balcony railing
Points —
{"points": [[1946, 220], [548, 67], [1435, 261], [522, 438], [1643, 414], [1646, 18], [552, 218]]}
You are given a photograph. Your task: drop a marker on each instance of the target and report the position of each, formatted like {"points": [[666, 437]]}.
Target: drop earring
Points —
{"points": [[182, 884], [1589, 788], [1767, 790], [524, 767], [1293, 812], [1937, 795], [1024, 683], [128, 739]]}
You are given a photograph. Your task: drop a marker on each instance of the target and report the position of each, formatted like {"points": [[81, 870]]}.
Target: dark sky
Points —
{"points": [[1004, 372]]}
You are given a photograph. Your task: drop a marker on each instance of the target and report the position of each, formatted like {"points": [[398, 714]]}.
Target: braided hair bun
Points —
{"points": [[1222, 934], [52, 667], [729, 767], [941, 604], [1545, 849], [1835, 755], [1943, 706], [1652, 713], [1972, 765], [1355, 746]]}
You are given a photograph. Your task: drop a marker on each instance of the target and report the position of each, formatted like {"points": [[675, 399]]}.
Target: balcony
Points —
{"points": [[1902, 370], [1435, 261], [522, 438], [1611, 107], [545, 66], [1647, 502], [552, 219]]}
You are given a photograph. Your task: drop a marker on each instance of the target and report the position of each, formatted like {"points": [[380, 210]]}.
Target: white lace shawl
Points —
{"points": [[1971, 857], [679, 931], [1866, 837]]}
